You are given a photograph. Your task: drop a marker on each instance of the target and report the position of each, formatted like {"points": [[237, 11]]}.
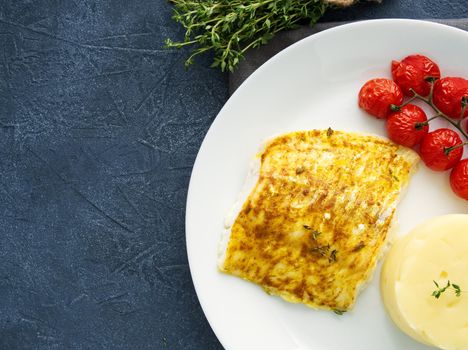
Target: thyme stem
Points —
{"points": [[229, 28]]}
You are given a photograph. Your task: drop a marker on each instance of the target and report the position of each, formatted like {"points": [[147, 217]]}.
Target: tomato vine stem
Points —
{"points": [[447, 150], [439, 114]]}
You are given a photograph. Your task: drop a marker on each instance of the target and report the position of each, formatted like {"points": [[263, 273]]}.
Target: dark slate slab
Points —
{"points": [[99, 129]]}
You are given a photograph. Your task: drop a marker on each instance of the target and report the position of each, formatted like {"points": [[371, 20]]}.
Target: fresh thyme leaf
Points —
{"points": [[438, 292], [332, 257], [315, 234], [229, 28], [322, 250], [339, 312], [300, 170]]}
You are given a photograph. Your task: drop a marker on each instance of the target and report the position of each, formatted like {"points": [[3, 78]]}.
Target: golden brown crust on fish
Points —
{"points": [[312, 228]]}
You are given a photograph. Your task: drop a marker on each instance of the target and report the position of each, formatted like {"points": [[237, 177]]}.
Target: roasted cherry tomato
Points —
{"points": [[376, 96], [408, 126], [459, 179], [435, 149], [448, 94], [411, 72]]}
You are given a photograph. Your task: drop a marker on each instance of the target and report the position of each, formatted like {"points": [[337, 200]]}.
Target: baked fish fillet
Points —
{"points": [[313, 226]]}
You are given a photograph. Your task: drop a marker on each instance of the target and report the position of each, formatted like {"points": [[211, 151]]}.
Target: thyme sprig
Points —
{"points": [[339, 312], [322, 250], [440, 290], [229, 28]]}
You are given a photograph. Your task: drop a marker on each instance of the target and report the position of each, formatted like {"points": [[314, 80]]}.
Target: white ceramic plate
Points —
{"points": [[312, 84]]}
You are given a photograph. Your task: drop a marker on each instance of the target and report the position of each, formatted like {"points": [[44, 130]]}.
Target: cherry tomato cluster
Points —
{"points": [[418, 78]]}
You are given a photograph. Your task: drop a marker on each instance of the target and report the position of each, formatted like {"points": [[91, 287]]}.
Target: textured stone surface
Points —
{"points": [[99, 129]]}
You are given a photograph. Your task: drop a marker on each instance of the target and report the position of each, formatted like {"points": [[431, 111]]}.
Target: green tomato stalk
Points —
{"points": [[439, 114]]}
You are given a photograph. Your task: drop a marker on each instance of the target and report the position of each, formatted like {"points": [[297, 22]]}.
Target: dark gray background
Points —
{"points": [[99, 129]]}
